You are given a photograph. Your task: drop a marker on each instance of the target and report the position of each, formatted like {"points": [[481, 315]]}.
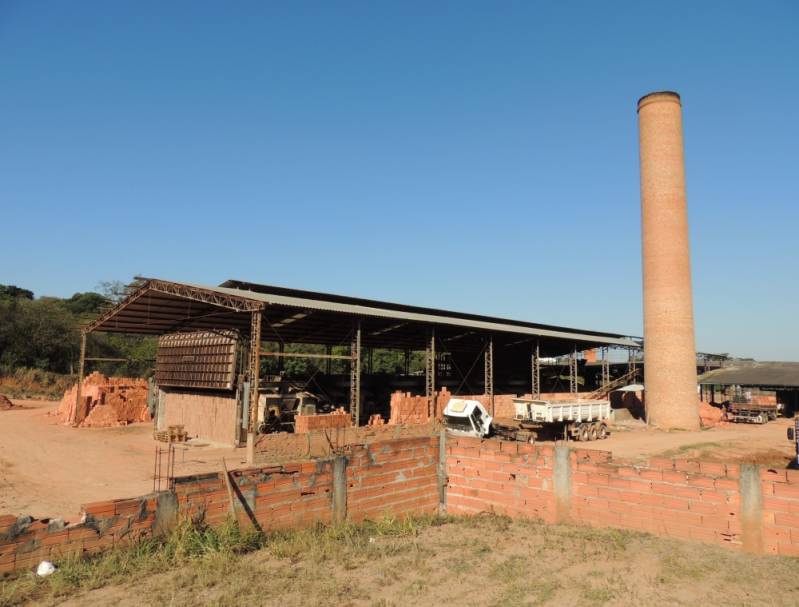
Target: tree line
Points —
{"points": [[44, 333]]}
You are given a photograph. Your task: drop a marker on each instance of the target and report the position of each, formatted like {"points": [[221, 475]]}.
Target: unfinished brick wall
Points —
{"points": [[743, 507], [738, 506], [284, 446], [396, 477], [307, 423]]}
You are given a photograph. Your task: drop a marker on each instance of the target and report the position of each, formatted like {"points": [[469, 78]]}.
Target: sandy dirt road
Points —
{"points": [[48, 470], [766, 444]]}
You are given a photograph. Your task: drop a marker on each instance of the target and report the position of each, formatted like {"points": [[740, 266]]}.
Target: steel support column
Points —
{"points": [[631, 363], [328, 361], [488, 377], [81, 370], [573, 372], [605, 367], [281, 348], [355, 374], [430, 372], [535, 384], [254, 372]]}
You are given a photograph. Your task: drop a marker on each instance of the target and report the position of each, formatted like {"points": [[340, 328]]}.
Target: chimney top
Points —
{"points": [[658, 96]]}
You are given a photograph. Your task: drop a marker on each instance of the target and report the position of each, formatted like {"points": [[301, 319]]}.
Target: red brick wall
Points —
{"points": [[25, 542], [513, 479], [673, 498], [397, 477]]}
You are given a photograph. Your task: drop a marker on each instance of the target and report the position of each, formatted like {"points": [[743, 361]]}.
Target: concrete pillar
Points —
{"points": [[562, 482], [669, 348]]}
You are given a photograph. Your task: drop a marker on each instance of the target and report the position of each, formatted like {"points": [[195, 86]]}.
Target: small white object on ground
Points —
{"points": [[45, 568]]}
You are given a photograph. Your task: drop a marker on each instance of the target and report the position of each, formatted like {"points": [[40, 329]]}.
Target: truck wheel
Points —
{"points": [[603, 431], [582, 433], [592, 432]]}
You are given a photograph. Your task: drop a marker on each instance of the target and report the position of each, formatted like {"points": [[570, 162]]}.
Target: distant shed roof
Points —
{"points": [[765, 374]]}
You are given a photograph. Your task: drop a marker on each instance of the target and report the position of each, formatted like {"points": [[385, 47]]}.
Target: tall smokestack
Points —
{"points": [[669, 348]]}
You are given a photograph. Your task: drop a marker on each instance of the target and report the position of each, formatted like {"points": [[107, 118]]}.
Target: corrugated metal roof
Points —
{"points": [[766, 374], [441, 317], [159, 306]]}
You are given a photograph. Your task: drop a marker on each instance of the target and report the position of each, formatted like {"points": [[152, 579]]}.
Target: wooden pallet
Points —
{"points": [[173, 434]]}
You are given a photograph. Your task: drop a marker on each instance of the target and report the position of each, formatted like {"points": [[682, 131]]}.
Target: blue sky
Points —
{"points": [[475, 156]]}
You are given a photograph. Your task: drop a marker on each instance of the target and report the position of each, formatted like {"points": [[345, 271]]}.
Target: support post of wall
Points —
{"points": [[79, 414], [535, 391], [430, 372], [254, 370], [488, 375], [562, 482], [339, 489], [442, 473], [355, 374]]}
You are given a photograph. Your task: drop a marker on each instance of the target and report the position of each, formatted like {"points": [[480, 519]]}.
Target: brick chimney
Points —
{"points": [[669, 347]]}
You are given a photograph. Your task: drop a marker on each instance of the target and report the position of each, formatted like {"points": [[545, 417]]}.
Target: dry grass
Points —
{"points": [[34, 383], [483, 560]]}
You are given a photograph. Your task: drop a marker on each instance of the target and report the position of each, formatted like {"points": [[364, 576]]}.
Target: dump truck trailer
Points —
{"points": [[582, 420]]}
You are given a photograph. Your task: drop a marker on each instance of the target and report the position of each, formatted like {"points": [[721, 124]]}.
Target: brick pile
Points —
{"points": [[307, 423], [6, 404], [376, 420], [105, 402], [408, 409]]}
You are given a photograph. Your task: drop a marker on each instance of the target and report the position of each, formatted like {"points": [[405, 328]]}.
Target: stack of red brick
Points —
{"points": [[104, 402], [376, 420], [307, 423]]}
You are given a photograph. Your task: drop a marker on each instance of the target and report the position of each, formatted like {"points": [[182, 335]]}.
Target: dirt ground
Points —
{"points": [[478, 561], [49, 470], [765, 444]]}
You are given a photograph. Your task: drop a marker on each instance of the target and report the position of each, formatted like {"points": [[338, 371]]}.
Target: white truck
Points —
{"points": [[583, 420]]}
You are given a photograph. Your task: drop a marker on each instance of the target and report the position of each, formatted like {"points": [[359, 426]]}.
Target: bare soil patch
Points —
{"points": [[764, 444], [49, 470]]}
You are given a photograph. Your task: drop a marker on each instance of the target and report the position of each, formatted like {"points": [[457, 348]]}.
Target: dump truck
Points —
{"points": [[582, 420], [748, 412]]}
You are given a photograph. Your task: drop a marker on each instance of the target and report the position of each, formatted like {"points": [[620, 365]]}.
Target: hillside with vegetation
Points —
{"points": [[40, 341]]}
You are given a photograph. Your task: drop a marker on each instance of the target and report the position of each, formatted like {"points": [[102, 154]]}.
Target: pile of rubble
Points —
{"points": [[105, 402], [6, 404]]}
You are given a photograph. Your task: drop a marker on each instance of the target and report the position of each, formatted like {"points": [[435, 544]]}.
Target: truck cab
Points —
{"points": [[467, 418]]}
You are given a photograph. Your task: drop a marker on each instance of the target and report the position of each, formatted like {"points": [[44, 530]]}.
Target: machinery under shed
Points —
{"points": [[223, 364]]}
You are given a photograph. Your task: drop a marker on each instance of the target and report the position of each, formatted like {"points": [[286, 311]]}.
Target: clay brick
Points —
{"points": [[713, 468], [686, 465]]}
